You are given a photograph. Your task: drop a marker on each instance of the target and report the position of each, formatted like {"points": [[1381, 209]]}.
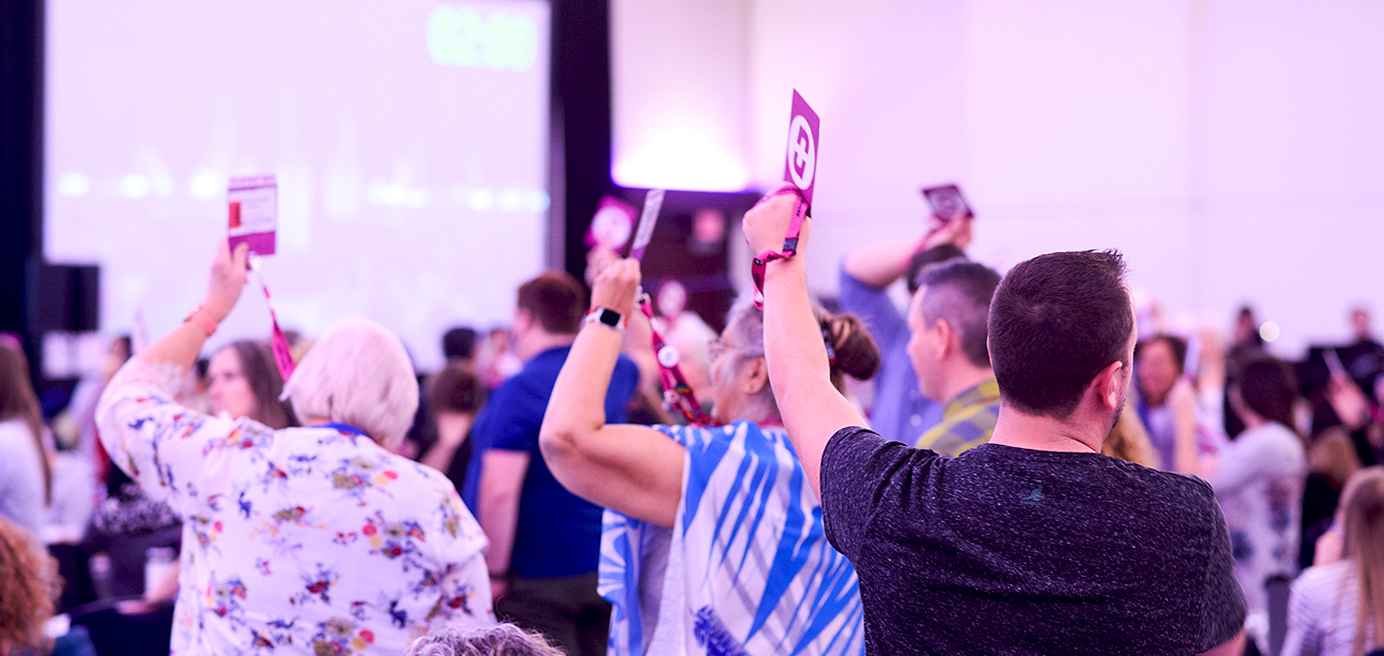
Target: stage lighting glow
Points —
{"points": [[74, 185], [135, 186], [207, 184], [1269, 331], [688, 159]]}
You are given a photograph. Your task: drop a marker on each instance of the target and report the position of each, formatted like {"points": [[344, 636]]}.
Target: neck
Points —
{"points": [[963, 376], [313, 421], [539, 341], [1025, 431]]}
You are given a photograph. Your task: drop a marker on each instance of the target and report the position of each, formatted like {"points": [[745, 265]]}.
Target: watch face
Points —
{"points": [[610, 317]]}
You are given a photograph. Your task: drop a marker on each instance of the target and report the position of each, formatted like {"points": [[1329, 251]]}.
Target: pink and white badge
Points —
{"points": [[804, 128], [253, 213]]}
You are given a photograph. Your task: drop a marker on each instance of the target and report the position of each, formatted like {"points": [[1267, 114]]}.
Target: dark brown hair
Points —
{"points": [[262, 375], [28, 584], [1176, 344], [959, 292], [1056, 321], [1269, 388], [556, 300], [18, 401], [456, 389]]}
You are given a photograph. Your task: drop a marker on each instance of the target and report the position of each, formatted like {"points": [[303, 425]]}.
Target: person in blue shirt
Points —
{"points": [[899, 410], [544, 540]]}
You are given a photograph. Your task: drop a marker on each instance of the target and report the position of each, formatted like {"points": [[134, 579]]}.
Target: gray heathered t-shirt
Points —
{"points": [[1015, 551]]}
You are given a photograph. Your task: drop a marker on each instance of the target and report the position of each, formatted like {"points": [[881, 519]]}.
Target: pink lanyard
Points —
{"points": [[677, 394], [283, 353], [790, 241]]}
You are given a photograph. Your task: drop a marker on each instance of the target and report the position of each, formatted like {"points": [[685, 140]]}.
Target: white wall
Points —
{"points": [[1232, 149]]}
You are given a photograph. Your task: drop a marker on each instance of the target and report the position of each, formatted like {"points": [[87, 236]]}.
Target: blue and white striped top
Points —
{"points": [[746, 568]]}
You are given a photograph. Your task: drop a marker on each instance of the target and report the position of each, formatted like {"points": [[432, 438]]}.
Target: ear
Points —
{"points": [[945, 337], [754, 375], [1109, 386], [522, 318]]}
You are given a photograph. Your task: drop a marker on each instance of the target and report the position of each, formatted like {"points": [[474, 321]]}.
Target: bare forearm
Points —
{"points": [[880, 264], [576, 409], [812, 409], [499, 522]]}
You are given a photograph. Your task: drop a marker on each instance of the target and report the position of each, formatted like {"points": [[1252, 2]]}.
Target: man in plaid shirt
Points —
{"points": [[947, 320]]}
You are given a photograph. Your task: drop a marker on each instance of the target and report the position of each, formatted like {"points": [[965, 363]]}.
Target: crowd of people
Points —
{"points": [[1020, 463]]}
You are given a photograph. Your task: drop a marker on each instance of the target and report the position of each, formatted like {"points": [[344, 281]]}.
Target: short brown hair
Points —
{"points": [[1056, 321], [556, 300], [959, 291]]}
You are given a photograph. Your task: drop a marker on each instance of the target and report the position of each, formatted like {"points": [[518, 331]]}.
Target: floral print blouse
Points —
{"points": [[305, 540]]}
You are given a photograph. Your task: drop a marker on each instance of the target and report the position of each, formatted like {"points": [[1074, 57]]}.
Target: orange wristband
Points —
{"points": [[199, 316]]}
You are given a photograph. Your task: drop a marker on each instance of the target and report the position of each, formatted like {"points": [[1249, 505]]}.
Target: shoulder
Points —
{"points": [[1320, 581]]}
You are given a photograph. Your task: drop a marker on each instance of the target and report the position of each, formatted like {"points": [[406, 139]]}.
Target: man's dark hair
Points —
{"points": [[922, 259], [556, 300], [959, 291], [1056, 321], [459, 343], [1176, 344]]}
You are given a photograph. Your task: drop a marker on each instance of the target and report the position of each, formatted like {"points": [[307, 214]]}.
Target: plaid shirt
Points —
{"points": [[967, 420]]}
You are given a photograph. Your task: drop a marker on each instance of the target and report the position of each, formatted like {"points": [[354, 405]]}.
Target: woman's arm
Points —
{"points": [[137, 416], [631, 469], [1182, 401]]}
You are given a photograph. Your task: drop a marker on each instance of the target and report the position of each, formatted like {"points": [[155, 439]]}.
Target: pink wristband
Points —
{"points": [[199, 316]]}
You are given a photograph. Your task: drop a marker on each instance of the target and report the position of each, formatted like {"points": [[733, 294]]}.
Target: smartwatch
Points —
{"points": [[606, 317]]}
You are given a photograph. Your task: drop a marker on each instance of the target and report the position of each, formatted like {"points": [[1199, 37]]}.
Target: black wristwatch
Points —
{"points": [[606, 317]]}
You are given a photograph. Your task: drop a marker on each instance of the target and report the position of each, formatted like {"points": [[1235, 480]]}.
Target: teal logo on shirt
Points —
{"points": [[1033, 498]]}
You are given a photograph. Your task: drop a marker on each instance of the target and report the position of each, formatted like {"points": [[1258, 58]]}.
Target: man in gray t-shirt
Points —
{"points": [[1034, 543]]}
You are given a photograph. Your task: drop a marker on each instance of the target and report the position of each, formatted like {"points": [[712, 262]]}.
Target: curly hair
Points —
{"points": [[494, 640], [28, 585]]}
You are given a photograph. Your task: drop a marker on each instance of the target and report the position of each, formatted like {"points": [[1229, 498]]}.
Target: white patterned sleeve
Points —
{"points": [[159, 443]]}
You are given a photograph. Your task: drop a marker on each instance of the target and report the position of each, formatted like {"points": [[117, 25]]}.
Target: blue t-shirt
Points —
{"points": [[900, 410], [559, 533]]}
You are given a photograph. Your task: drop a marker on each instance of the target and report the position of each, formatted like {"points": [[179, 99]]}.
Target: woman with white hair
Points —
{"points": [[303, 540]]}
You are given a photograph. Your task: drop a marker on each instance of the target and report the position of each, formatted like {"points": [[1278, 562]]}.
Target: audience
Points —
{"points": [[1258, 478], [544, 540], [243, 381], [1167, 403], [455, 395], [671, 489], [1337, 608], [26, 483], [309, 539], [1129, 441], [949, 352], [1034, 542]]}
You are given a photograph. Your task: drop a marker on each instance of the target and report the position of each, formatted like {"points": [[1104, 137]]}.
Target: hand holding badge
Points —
{"points": [[253, 219], [800, 172]]}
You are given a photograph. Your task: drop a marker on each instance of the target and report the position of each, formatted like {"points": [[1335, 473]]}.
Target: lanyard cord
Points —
{"points": [[283, 353], [676, 392], [790, 241]]}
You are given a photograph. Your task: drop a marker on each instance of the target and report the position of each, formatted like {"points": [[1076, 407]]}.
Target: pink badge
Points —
{"points": [[804, 128], [253, 215]]}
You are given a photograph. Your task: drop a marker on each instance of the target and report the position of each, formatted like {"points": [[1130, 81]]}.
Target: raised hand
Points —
{"points": [[766, 224], [617, 287], [227, 280]]}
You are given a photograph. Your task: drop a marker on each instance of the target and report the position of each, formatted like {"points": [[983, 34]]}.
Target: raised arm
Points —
{"points": [[156, 441], [811, 407], [635, 470]]}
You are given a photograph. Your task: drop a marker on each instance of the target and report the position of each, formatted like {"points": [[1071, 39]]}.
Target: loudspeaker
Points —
{"points": [[66, 298]]}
